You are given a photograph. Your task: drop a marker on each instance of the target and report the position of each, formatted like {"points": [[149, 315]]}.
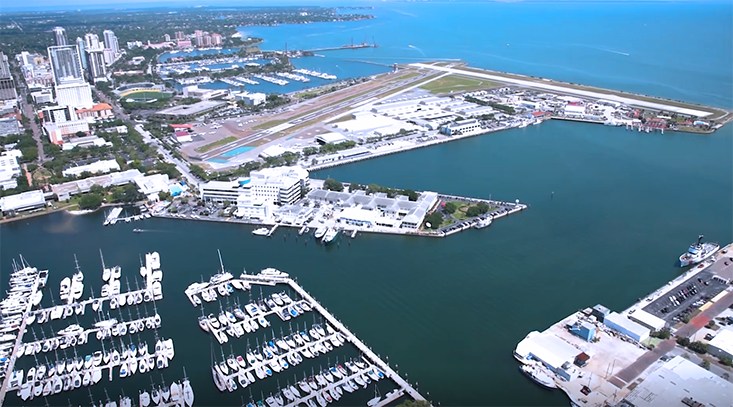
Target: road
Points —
{"points": [[28, 112]]}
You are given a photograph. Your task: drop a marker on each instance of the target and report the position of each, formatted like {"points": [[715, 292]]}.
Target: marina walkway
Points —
{"points": [[402, 383]]}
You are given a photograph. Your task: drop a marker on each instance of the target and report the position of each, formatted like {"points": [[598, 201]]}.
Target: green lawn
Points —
{"points": [[215, 144], [147, 95], [454, 83], [447, 222], [460, 213]]}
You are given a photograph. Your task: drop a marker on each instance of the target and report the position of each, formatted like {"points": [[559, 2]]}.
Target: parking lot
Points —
{"points": [[684, 299]]}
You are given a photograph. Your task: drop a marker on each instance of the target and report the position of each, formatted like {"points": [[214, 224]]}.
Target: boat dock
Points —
{"points": [[274, 228], [273, 277], [113, 217], [21, 331], [247, 80], [353, 233]]}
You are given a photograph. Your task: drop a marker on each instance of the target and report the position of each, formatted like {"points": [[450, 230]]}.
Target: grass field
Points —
{"points": [[215, 144], [453, 83]]}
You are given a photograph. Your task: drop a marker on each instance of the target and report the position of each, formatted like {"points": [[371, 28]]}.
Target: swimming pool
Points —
{"points": [[218, 160], [237, 151]]}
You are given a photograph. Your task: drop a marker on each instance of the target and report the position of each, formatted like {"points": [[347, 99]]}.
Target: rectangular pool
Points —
{"points": [[237, 151]]}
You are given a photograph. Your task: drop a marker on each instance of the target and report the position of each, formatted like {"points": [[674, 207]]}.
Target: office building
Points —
{"points": [[26, 201], [82, 52], [279, 186], [167, 38], [97, 69], [92, 41], [9, 168], [180, 35], [77, 95], [60, 121], [7, 87], [97, 167], [65, 64], [9, 125], [110, 40], [59, 34]]}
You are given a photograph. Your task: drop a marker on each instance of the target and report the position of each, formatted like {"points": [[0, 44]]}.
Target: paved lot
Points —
{"points": [[686, 298]]}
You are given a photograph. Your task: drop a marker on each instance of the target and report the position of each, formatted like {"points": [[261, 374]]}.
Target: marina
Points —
{"points": [[276, 81], [113, 217], [119, 357], [271, 357]]}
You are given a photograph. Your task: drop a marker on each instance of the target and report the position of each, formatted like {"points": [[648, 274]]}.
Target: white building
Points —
{"points": [[722, 345], [648, 320], [280, 186], [626, 326], [77, 95], [85, 142], [574, 109], [250, 99], [253, 208], [25, 201], [461, 127], [9, 168], [152, 185], [98, 167], [331, 138], [553, 352], [680, 382]]}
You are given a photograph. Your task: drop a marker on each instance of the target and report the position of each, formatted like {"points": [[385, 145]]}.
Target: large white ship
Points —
{"points": [[698, 252], [330, 236]]}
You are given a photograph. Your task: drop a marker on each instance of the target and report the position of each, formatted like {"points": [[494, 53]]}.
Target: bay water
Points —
{"points": [[449, 311]]}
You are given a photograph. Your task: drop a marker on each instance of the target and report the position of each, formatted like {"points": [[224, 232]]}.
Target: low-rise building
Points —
{"points": [[253, 208], [461, 127], [550, 350], [625, 326], [152, 185], [250, 99], [331, 138], [8, 126], [97, 167], [722, 344], [98, 111], [87, 141], [9, 168], [67, 189], [22, 202]]}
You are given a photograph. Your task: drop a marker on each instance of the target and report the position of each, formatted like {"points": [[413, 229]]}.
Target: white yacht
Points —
{"points": [[261, 232], [698, 252], [535, 373], [320, 232]]}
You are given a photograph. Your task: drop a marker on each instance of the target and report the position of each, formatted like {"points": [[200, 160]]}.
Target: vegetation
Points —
{"points": [[498, 106], [663, 334], [25, 143], [90, 201], [726, 361], [333, 185], [682, 341], [215, 144], [435, 219], [698, 347], [450, 207], [456, 83], [415, 403]]}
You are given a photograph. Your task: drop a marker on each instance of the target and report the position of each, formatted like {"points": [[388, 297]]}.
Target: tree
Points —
{"points": [[726, 361], [705, 364], [333, 185], [698, 347], [450, 207], [434, 219], [412, 195], [80, 134], [683, 341], [97, 189], [90, 201], [663, 334]]}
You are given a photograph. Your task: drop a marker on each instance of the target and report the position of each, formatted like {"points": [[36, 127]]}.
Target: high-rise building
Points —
{"points": [[180, 35], [7, 86], [110, 40], [167, 38], [207, 40], [92, 41], [199, 38], [82, 52], [59, 34], [97, 70], [216, 39], [109, 56], [78, 95], [65, 64]]}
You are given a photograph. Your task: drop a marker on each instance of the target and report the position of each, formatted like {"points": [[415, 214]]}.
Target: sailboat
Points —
{"points": [[373, 402]]}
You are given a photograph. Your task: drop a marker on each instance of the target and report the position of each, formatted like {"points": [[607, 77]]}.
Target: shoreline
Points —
{"points": [[50, 211]]}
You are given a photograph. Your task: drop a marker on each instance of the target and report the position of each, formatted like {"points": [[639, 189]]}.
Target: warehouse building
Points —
{"points": [[553, 352], [722, 345], [26, 201], [627, 327]]}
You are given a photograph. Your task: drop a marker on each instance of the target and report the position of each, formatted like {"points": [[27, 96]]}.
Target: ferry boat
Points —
{"points": [[539, 377], [320, 232], [261, 232], [698, 252], [330, 236]]}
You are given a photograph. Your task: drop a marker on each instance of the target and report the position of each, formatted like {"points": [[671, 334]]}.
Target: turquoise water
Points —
{"points": [[237, 151], [218, 160], [450, 311]]}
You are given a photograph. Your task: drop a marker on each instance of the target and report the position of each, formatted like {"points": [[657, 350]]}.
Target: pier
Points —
{"points": [[345, 46], [274, 228]]}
